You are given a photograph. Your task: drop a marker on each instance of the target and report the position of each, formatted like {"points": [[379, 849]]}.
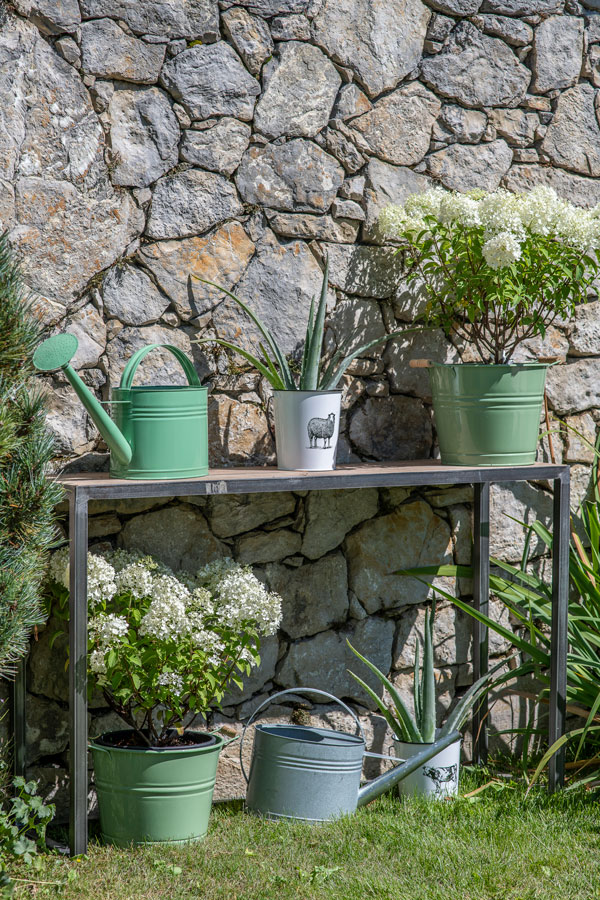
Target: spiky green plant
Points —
{"points": [[315, 373], [27, 496], [421, 728], [528, 598]]}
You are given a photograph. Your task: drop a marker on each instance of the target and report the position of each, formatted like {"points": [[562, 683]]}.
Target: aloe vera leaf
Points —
{"points": [[418, 688], [269, 362], [271, 375], [328, 371], [428, 711], [286, 375], [307, 344], [396, 724], [396, 698], [313, 356]]}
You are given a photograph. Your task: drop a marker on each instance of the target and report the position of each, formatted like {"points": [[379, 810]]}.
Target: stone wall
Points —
{"points": [[142, 142]]}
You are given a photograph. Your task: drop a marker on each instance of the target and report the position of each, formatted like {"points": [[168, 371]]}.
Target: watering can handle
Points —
{"points": [[294, 691], [130, 369]]}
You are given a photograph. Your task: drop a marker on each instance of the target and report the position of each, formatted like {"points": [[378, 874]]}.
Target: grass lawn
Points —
{"points": [[497, 845]]}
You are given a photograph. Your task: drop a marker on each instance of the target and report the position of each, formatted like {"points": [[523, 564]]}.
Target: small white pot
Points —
{"points": [[437, 778], [307, 425]]}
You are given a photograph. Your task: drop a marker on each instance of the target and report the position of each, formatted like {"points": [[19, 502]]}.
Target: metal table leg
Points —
{"points": [[18, 713], [559, 630], [481, 595], [78, 729]]}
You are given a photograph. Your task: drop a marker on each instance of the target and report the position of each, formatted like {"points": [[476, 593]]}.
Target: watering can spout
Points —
{"points": [[373, 789], [56, 353]]}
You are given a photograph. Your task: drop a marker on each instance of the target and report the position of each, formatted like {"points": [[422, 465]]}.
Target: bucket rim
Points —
{"points": [[154, 388], [397, 740], [308, 393], [509, 367], [216, 741], [332, 734]]}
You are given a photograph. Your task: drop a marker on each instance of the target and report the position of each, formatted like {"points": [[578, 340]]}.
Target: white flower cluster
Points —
{"points": [[501, 250], [101, 585], [100, 578], [240, 596], [58, 570], [119, 559], [135, 579], [167, 616], [105, 631], [210, 643], [180, 606], [171, 680], [507, 219]]}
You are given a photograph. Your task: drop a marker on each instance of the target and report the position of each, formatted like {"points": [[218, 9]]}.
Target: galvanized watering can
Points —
{"points": [[159, 431], [313, 774]]}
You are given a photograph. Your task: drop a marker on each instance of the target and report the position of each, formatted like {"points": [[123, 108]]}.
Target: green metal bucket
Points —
{"points": [[165, 426], [488, 415], [154, 795]]}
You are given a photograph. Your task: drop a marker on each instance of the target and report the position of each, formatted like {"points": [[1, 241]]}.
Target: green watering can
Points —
{"points": [[159, 431]]}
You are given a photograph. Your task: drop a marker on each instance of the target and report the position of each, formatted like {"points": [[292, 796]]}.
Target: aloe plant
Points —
{"points": [[420, 728], [315, 373]]}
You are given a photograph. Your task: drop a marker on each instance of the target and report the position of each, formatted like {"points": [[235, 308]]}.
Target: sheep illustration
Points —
{"points": [[321, 428], [441, 775]]}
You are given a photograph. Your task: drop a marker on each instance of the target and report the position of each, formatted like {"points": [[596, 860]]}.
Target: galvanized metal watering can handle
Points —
{"points": [[295, 691], [131, 367]]}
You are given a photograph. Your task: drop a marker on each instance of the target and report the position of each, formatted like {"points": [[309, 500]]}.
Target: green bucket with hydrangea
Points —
{"points": [[164, 647], [496, 272]]}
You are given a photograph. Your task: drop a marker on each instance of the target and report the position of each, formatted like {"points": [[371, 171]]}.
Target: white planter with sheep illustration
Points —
{"points": [[307, 425]]}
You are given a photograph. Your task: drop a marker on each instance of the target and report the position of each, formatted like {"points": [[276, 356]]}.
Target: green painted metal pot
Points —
{"points": [[158, 432], [488, 415], [155, 795]]}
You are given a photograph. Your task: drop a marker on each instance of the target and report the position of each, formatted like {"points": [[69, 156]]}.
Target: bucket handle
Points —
{"points": [[295, 691], [130, 369]]}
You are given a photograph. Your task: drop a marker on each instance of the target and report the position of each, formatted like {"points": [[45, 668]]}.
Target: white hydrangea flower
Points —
{"points": [[211, 644], [167, 617], [500, 213], [172, 680], [101, 584], [97, 662], [247, 657], [135, 579], [460, 208], [58, 569], [578, 227], [202, 602], [538, 209], [394, 221], [108, 629], [426, 204], [119, 559], [501, 250], [241, 596]]}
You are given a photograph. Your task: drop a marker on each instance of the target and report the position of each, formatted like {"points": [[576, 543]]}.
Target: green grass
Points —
{"points": [[497, 846]]}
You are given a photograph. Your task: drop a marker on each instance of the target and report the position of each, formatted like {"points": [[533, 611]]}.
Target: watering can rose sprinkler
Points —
{"points": [[158, 432]]}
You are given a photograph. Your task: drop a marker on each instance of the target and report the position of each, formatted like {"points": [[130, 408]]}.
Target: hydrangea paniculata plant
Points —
{"points": [[498, 267], [164, 646]]}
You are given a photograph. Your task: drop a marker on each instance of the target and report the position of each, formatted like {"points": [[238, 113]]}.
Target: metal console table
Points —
{"points": [[83, 488]]}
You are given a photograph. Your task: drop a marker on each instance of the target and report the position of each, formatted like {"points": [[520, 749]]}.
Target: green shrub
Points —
{"points": [[27, 497]]}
